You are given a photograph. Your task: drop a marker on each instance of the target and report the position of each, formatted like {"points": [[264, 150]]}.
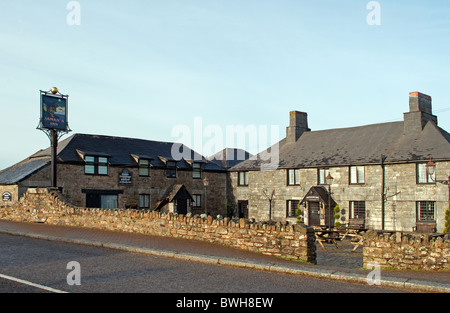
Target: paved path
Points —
{"points": [[333, 263]]}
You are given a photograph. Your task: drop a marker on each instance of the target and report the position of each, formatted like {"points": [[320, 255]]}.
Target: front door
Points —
{"points": [[182, 206], [313, 213]]}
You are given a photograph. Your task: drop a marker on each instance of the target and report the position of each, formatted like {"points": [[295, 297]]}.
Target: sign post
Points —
{"points": [[54, 123]]}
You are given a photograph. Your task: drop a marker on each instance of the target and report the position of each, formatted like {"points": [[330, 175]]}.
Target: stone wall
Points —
{"points": [[407, 250], [49, 206]]}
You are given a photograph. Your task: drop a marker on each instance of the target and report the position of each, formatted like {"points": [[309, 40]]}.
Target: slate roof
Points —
{"points": [[230, 157], [359, 146], [120, 150], [22, 170]]}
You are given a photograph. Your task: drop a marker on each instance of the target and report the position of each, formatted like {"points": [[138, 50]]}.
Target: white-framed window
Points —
{"points": [[144, 201], [357, 175]]}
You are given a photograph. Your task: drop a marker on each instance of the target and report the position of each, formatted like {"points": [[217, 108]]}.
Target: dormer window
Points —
{"points": [[196, 170], [96, 165], [171, 170], [144, 167]]}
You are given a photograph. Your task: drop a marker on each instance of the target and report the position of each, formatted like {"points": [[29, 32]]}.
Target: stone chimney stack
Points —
{"points": [[298, 124], [420, 113]]}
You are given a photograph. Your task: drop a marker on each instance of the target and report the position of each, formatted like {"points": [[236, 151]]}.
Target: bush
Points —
{"points": [[337, 216], [446, 229]]}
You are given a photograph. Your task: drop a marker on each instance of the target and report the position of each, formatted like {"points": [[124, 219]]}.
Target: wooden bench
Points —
{"points": [[425, 227], [356, 224]]}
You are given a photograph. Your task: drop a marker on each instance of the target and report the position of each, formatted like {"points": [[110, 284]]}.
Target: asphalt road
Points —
{"points": [[110, 271]]}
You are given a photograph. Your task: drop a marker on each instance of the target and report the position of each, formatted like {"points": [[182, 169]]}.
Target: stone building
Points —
{"points": [[379, 174], [113, 172]]}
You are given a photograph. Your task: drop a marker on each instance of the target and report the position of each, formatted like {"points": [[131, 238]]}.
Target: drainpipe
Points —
{"points": [[383, 198]]}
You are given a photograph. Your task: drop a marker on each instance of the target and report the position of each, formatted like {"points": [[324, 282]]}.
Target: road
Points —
{"points": [[45, 263]]}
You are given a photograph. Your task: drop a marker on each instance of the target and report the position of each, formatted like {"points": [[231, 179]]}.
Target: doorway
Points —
{"points": [[243, 209], [313, 213]]}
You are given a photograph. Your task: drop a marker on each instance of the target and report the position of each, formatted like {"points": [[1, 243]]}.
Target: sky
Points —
{"points": [[185, 70]]}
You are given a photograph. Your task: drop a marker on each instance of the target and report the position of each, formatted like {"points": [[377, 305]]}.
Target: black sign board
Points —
{"points": [[7, 196], [125, 178], [54, 111]]}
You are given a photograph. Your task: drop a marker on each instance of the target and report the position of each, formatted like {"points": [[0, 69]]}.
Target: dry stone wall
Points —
{"points": [[49, 206], [407, 250]]}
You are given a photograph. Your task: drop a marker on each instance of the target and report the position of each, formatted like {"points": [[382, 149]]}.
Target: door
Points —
{"points": [[243, 209], [93, 200], [313, 213], [182, 206]]}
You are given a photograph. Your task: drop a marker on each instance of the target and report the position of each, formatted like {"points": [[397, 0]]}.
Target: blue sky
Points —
{"points": [[139, 68]]}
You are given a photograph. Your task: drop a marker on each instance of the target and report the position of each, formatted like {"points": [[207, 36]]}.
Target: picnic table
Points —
{"points": [[356, 229], [327, 235]]}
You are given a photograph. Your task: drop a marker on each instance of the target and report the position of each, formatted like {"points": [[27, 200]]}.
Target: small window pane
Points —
{"points": [[103, 170], [89, 169]]}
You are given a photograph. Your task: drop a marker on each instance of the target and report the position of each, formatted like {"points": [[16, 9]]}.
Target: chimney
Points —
{"points": [[298, 124], [420, 113]]}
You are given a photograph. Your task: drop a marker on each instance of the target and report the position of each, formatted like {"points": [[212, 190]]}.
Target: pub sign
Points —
{"points": [[7, 196], [54, 111]]}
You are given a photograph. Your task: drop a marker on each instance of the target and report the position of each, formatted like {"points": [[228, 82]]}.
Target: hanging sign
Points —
{"points": [[54, 111]]}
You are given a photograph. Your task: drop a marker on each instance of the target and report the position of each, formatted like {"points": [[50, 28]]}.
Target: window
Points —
{"points": [[323, 173], [196, 170], [356, 174], [293, 178], [109, 201], [243, 179], [144, 167], [144, 201], [358, 209], [171, 171], [425, 211], [422, 174], [96, 165], [291, 208], [197, 203]]}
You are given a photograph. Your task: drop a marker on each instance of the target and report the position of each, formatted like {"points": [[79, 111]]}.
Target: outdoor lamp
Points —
{"points": [[431, 168], [329, 179], [206, 183]]}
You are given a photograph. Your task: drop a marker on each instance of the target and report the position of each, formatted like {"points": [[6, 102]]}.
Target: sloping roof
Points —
{"points": [[22, 170], [320, 192], [230, 157], [359, 145], [171, 193], [121, 151]]}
